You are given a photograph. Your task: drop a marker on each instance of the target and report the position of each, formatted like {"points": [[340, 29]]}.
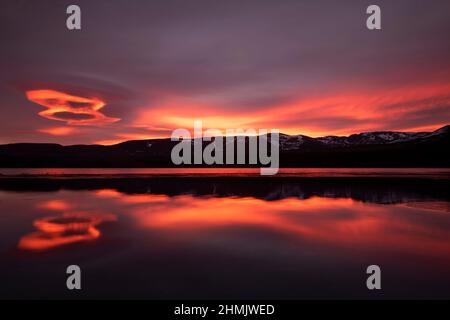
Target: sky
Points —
{"points": [[140, 69]]}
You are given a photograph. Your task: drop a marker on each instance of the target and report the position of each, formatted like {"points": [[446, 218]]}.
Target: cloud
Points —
{"points": [[303, 67], [73, 110], [58, 131]]}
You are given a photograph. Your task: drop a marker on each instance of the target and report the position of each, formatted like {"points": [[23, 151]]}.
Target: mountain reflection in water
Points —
{"points": [[225, 237]]}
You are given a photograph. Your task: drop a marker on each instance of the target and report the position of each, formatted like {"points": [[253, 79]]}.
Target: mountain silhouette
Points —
{"points": [[371, 149]]}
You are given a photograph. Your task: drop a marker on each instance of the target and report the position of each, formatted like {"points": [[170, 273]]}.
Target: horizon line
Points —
{"points": [[280, 133]]}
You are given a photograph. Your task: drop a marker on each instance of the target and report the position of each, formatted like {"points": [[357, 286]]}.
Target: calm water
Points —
{"points": [[183, 236], [298, 172]]}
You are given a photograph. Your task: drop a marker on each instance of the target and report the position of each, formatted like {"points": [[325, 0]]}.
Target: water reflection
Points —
{"points": [[367, 189], [338, 221], [66, 228], [226, 238]]}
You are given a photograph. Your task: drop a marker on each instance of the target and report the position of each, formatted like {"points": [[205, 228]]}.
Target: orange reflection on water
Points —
{"points": [[57, 205], [197, 213], [323, 221], [339, 222], [69, 228]]}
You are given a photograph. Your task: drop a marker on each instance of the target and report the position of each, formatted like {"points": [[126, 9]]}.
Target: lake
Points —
{"points": [[225, 233]]}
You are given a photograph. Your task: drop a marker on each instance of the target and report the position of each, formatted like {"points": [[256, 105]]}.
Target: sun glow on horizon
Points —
{"points": [[330, 114]]}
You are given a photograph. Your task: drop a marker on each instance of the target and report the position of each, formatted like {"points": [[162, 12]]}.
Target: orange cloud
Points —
{"points": [[73, 110], [421, 107], [408, 108], [58, 131], [177, 113], [354, 112]]}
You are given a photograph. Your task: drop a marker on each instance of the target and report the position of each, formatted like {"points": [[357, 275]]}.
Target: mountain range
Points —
{"points": [[369, 149]]}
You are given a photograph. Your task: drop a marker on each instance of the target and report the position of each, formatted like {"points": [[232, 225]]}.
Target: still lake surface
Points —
{"points": [[224, 233]]}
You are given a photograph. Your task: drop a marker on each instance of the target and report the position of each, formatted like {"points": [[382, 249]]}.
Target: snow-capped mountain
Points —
{"points": [[370, 149], [295, 142]]}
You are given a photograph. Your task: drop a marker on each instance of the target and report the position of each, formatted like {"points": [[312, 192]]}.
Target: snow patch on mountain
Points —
{"points": [[366, 138], [291, 142]]}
